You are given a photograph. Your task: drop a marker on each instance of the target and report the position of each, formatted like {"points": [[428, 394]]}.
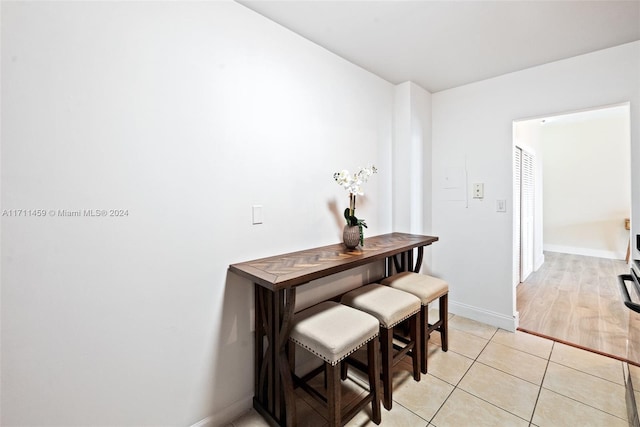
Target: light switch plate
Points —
{"points": [[501, 205], [256, 211]]}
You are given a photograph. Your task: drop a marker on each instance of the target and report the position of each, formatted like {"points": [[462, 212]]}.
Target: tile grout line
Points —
{"points": [[548, 361], [484, 364], [535, 405], [586, 404], [455, 386], [586, 373], [474, 360], [581, 402], [569, 397], [413, 412]]}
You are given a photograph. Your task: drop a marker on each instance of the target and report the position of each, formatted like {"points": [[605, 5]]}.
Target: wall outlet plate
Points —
{"points": [[478, 191]]}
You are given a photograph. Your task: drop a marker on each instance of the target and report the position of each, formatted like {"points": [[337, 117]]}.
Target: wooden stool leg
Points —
{"points": [[386, 343], [424, 337], [444, 318], [333, 394], [373, 349], [416, 352]]}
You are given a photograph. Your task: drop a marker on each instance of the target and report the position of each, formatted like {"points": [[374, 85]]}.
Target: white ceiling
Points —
{"points": [[444, 44]]}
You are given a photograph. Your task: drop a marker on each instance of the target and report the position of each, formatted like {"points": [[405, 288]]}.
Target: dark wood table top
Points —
{"points": [[296, 268]]}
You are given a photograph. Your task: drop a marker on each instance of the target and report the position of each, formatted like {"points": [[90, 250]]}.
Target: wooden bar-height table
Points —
{"points": [[275, 280]]}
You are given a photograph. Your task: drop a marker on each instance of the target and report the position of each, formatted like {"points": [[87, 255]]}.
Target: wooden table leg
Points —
{"points": [[285, 383], [406, 261], [418, 265], [263, 363], [274, 397], [258, 355]]}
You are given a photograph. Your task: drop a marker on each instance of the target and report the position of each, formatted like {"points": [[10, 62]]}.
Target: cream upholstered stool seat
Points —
{"points": [[428, 289], [332, 332], [390, 306]]}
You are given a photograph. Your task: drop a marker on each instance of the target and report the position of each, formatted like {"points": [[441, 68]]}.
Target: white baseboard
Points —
{"points": [[227, 415], [509, 323], [598, 253]]}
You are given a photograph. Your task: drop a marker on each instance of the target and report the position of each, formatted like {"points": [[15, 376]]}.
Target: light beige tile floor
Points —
{"points": [[491, 377]]}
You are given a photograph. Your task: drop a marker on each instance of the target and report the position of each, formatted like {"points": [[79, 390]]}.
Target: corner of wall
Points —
{"points": [[227, 415], [411, 156], [509, 323]]}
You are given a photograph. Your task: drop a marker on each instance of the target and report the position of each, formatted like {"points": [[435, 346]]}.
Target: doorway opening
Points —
{"points": [[523, 218], [571, 222]]}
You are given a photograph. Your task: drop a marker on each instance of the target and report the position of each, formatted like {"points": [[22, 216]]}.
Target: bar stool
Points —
{"points": [[332, 332], [428, 289], [390, 306]]}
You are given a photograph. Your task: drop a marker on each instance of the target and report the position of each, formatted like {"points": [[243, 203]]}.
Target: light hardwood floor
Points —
{"points": [[576, 299]]}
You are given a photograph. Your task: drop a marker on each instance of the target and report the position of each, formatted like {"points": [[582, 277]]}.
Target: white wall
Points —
{"points": [[411, 160], [185, 114], [587, 187], [474, 122]]}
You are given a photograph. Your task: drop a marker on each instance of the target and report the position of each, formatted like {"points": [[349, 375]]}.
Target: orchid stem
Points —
{"points": [[352, 204]]}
